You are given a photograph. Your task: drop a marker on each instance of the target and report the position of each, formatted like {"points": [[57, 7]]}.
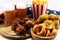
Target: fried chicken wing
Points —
{"points": [[56, 22], [43, 17], [49, 22], [53, 17]]}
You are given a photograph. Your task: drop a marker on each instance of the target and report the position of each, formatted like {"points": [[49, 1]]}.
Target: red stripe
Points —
{"points": [[37, 11], [41, 9], [33, 9]]}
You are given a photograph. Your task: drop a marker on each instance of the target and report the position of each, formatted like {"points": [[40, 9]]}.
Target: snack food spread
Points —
{"points": [[46, 25], [43, 25]]}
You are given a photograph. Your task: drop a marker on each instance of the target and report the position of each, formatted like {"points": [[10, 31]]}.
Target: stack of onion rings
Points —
{"points": [[43, 30]]}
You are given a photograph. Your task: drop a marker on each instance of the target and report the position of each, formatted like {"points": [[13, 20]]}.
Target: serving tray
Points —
{"points": [[7, 32]]}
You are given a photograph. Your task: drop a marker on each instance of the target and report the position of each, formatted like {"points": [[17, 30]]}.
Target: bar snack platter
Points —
{"points": [[7, 31], [22, 22]]}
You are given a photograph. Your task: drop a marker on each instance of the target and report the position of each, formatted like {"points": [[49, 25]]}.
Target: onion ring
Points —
{"points": [[39, 29], [48, 33], [44, 30], [54, 31], [35, 28], [43, 17]]}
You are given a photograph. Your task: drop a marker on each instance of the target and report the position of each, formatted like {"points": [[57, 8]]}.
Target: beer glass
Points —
{"points": [[21, 10], [9, 14]]}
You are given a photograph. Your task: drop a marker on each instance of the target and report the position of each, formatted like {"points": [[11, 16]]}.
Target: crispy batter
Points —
{"points": [[53, 17], [56, 22], [43, 17], [54, 31], [49, 22], [48, 26]]}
